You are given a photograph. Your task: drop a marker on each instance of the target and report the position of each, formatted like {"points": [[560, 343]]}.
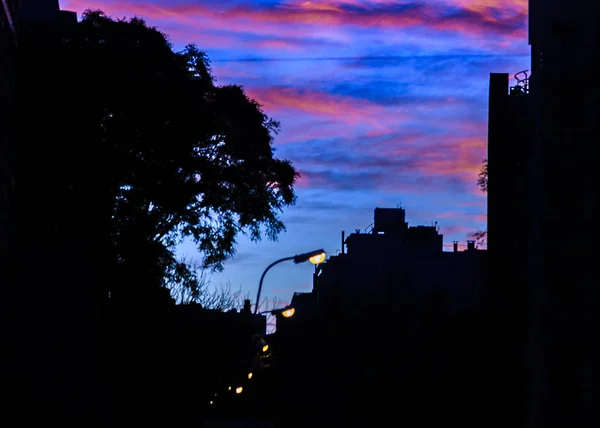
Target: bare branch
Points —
{"points": [[197, 289]]}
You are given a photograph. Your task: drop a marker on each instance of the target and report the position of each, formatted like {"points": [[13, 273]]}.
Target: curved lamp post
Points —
{"points": [[315, 257]]}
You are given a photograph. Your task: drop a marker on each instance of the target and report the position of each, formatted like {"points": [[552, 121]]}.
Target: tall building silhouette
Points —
{"points": [[509, 160], [565, 92], [8, 41], [510, 185]]}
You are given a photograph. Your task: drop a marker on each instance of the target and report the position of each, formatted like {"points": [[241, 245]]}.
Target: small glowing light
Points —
{"points": [[249, 375], [211, 401], [239, 390], [288, 312], [229, 389], [265, 348], [315, 260]]}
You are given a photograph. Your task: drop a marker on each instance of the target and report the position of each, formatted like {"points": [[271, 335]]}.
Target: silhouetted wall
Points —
{"points": [[8, 18], [565, 43], [382, 271], [511, 182], [380, 338], [55, 351]]}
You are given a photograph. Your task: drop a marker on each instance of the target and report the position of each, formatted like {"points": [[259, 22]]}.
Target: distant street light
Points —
{"points": [[286, 312], [249, 375], [239, 390], [319, 258], [315, 257]]}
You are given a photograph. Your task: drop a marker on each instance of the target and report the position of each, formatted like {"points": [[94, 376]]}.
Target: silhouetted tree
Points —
{"points": [[482, 181], [180, 157], [482, 178], [192, 285]]}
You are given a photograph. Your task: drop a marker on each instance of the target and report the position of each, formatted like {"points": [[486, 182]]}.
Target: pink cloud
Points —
{"points": [[466, 159], [341, 109], [456, 229], [473, 18], [277, 45], [413, 168]]}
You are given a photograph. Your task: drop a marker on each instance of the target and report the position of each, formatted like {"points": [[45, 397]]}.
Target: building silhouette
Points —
{"points": [[373, 339], [511, 200], [9, 13], [543, 213], [393, 262], [51, 338], [565, 328], [510, 152]]}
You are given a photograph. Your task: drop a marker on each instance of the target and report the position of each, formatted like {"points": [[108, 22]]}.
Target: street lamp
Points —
{"points": [[315, 257], [286, 312], [318, 258], [289, 312]]}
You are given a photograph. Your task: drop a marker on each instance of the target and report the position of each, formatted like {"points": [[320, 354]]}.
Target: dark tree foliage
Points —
{"points": [[180, 156], [482, 181], [482, 178]]}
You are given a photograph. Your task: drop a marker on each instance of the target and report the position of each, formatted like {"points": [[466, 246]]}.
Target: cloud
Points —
{"points": [[316, 114], [407, 163], [456, 229], [438, 16], [317, 103], [469, 18]]}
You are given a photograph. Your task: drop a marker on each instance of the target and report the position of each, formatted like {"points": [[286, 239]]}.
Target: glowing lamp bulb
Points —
{"points": [[249, 375], [239, 390], [288, 312], [265, 348], [316, 259]]}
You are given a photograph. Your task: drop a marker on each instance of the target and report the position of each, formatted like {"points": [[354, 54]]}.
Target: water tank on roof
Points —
{"points": [[389, 220]]}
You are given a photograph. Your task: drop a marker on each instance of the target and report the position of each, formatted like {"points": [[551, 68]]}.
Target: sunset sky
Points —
{"points": [[381, 102]]}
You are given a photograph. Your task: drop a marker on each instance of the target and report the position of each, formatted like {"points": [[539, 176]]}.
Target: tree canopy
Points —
{"points": [[178, 156]]}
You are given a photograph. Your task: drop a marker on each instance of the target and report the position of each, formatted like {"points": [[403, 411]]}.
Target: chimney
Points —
{"points": [[470, 245], [246, 308], [343, 234], [455, 246]]}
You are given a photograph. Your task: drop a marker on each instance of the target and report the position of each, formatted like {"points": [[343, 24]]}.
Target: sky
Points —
{"points": [[382, 103]]}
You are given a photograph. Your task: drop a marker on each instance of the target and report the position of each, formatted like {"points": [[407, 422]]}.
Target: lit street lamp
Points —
{"points": [[315, 257], [289, 312], [286, 312]]}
